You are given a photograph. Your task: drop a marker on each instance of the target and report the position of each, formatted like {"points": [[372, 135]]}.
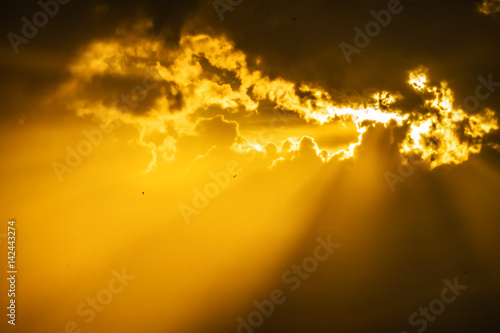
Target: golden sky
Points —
{"points": [[168, 170]]}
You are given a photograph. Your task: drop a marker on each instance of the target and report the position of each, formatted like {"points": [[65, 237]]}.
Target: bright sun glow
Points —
{"points": [[434, 133]]}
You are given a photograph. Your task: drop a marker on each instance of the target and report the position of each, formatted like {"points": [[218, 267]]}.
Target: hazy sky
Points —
{"points": [[179, 166]]}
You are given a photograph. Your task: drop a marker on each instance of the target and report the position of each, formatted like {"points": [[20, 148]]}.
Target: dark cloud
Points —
{"points": [[42, 64], [449, 37]]}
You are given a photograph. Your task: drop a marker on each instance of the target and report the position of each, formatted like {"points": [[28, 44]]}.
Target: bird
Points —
{"points": [[293, 18], [234, 176], [142, 193]]}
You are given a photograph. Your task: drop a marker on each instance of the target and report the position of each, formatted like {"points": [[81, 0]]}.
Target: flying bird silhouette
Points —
{"points": [[293, 18], [234, 176]]}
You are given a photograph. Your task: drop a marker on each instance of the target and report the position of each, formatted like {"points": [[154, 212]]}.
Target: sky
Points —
{"points": [[250, 166]]}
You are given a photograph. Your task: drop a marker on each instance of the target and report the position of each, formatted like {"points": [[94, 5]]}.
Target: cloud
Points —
{"points": [[489, 7], [208, 73], [444, 133]]}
